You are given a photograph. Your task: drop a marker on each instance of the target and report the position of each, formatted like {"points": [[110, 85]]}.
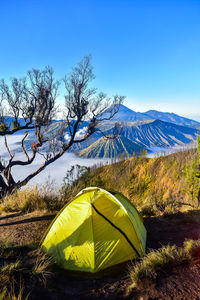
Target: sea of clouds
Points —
{"points": [[54, 172]]}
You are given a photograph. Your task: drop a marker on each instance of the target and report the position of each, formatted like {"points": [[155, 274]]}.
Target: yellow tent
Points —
{"points": [[94, 231]]}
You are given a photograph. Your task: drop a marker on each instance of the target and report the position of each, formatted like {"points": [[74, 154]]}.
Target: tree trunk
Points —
{"points": [[3, 187], [198, 199]]}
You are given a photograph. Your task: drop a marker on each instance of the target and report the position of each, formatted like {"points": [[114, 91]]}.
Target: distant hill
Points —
{"points": [[134, 137], [125, 114], [137, 136], [111, 148], [172, 118]]}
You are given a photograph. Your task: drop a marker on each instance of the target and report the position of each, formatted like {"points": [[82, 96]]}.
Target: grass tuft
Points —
{"points": [[11, 267], [11, 294], [42, 266], [147, 268]]}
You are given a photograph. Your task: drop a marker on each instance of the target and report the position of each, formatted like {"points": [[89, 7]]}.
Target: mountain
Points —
{"points": [[157, 133], [134, 137], [104, 147], [172, 118], [138, 131], [58, 130], [137, 136], [125, 114]]}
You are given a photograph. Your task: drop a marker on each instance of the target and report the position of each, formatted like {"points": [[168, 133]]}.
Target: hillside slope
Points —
{"points": [[111, 148], [136, 136], [160, 134], [155, 184]]}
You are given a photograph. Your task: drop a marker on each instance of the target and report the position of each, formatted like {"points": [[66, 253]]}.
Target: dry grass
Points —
{"points": [[155, 260], [42, 266], [155, 185], [8, 287], [31, 199], [15, 272], [11, 294]]}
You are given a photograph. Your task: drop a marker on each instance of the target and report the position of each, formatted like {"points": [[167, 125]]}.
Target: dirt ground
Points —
{"points": [[180, 282]]}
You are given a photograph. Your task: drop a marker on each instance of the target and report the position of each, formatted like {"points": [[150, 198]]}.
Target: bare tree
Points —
{"points": [[34, 99]]}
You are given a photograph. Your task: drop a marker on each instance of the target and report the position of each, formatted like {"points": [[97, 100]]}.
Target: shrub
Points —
{"points": [[3, 127], [15, 125]]}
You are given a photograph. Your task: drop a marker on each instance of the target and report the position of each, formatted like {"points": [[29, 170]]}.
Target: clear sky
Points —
{"points": [[147, 50]]}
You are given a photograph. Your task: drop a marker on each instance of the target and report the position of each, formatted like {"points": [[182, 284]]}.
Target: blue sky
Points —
{"points": [[147, 50]]}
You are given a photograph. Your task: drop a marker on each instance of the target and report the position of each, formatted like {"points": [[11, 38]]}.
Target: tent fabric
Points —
{"points": [[95, 230]]}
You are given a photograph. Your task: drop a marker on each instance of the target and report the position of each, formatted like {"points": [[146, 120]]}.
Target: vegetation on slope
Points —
{"points": [[153, 184]]}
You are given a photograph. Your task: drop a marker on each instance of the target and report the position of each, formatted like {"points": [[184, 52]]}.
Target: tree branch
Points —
{"points": [[7, 148], [34, 98], [22, 145]]}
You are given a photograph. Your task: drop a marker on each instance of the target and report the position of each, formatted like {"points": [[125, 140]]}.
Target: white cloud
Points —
{"points": [[81, 132], [55, 171]]}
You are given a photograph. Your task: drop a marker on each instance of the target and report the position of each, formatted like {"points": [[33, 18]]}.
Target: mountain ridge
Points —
{"points": [[127, 114], [145, 133], [160, 134]]}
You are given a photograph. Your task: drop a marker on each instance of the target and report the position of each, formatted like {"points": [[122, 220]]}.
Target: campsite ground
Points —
{"points": [[177, 282]]}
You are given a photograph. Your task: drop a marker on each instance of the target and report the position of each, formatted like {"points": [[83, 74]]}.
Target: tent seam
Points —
{"points": [[119, 229]]}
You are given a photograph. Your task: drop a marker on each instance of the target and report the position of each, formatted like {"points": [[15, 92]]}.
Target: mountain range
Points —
{"points": [[126, 114], [147, 130], [139, 131]]}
